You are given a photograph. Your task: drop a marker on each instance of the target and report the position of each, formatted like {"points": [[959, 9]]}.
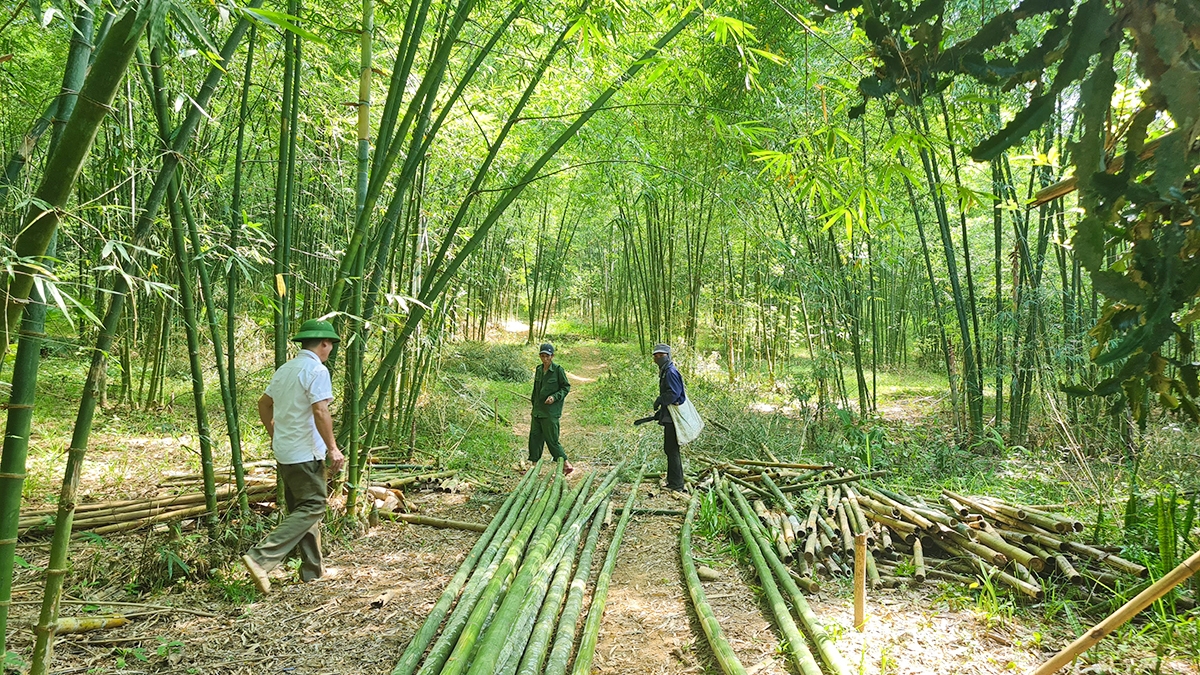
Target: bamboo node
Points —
{"points": [[18, 476]]}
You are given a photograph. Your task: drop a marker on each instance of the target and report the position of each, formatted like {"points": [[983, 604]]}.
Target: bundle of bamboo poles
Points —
{"points": [[514, 604], [121, 516]]}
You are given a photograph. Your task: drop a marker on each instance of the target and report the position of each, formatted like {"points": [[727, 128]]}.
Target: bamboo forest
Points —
{"points": [[730, 337]]}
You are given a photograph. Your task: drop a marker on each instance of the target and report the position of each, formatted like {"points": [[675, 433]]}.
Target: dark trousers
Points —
{"points": [[304, 494], [674, 461], [543, 432]]}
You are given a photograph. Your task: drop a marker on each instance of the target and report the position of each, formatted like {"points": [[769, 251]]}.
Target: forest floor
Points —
{"points": [[220, 625]]}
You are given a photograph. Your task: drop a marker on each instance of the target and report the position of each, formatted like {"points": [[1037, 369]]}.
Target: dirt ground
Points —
{"points": [[330, 626]]}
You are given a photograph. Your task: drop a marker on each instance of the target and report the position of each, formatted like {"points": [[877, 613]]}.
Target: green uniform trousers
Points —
{"points": [[304, 492], [543, 431]]}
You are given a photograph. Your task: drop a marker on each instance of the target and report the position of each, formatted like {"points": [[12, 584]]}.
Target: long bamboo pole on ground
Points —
{"points": [[723, 653], [833, 659], [591, 630], [521, 627], [540, 642], [1127, 611], [417, 519], [465, 646], [499, 527], [799, 487], [547, 546], [798, 646], [487, 567]]}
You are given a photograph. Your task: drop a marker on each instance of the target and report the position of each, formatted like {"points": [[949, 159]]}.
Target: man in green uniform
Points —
{"points": [[550, 387]]}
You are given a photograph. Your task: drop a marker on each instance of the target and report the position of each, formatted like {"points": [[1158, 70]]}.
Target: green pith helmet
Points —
{"points": [[315, 329]]}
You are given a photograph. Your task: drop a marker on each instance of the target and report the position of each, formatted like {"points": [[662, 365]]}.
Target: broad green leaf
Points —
{"points": [[284, 21]]}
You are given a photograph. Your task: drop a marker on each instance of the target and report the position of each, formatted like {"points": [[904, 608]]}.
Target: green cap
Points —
{"points": [[546, 348], [315, 329]]}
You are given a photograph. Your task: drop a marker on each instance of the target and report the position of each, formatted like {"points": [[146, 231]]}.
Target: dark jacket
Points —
{"points": [[670, 392], [552, 383]]}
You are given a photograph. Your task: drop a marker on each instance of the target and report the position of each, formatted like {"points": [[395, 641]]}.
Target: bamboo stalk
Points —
{"points": [[416, 519], [723, 653], [518, 631], [825, 646], [420, 478], [783, 465], [918, 561], [860, 581], [540, 640], [591, 629], [798, 648], [1130, 609], [145, 509], [501, 523], [479, 582], [902, 509], [800, 487]]}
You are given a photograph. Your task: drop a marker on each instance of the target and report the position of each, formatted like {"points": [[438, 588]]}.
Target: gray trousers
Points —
{"points": [[304, 493]]}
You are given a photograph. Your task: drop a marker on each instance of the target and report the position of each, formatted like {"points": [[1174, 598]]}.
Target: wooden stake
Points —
{"points": [[1118, 618], [860, 581]]}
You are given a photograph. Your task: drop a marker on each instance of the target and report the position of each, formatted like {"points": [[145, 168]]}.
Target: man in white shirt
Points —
{"points": [[295, 411]]}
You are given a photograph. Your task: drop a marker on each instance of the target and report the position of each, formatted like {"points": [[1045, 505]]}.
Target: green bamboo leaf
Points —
{"points": [[193, 25], [155, 12], [1088, 242], [283, 21], [1032, 117]]}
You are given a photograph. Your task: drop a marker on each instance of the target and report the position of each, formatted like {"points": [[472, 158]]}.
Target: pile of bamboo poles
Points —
{"points": [[810, 520], [122, 516], [514, 604], [180, 496]]}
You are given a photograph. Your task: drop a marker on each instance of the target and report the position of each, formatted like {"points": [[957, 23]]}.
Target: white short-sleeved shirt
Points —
{"points": [[294, 388]]}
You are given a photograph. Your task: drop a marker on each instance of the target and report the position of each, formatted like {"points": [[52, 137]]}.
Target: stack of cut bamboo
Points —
{"points": [[514, 603], [811, 519], [121, 516]]}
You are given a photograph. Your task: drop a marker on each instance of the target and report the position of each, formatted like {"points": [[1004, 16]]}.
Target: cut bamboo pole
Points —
{"points": [[800, 487], [591, 629], [860, 581], [519, 627], [498, 529], [487, 657], [479, 582], [783, 465], [446, 523], [802, 657], [918, 561], [1130, 609], [825, 646], [421, 478], [723, 653], [543, 632]]}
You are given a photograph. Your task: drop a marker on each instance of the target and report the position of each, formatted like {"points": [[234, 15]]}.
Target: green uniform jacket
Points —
{"points": [[553, 383]]}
